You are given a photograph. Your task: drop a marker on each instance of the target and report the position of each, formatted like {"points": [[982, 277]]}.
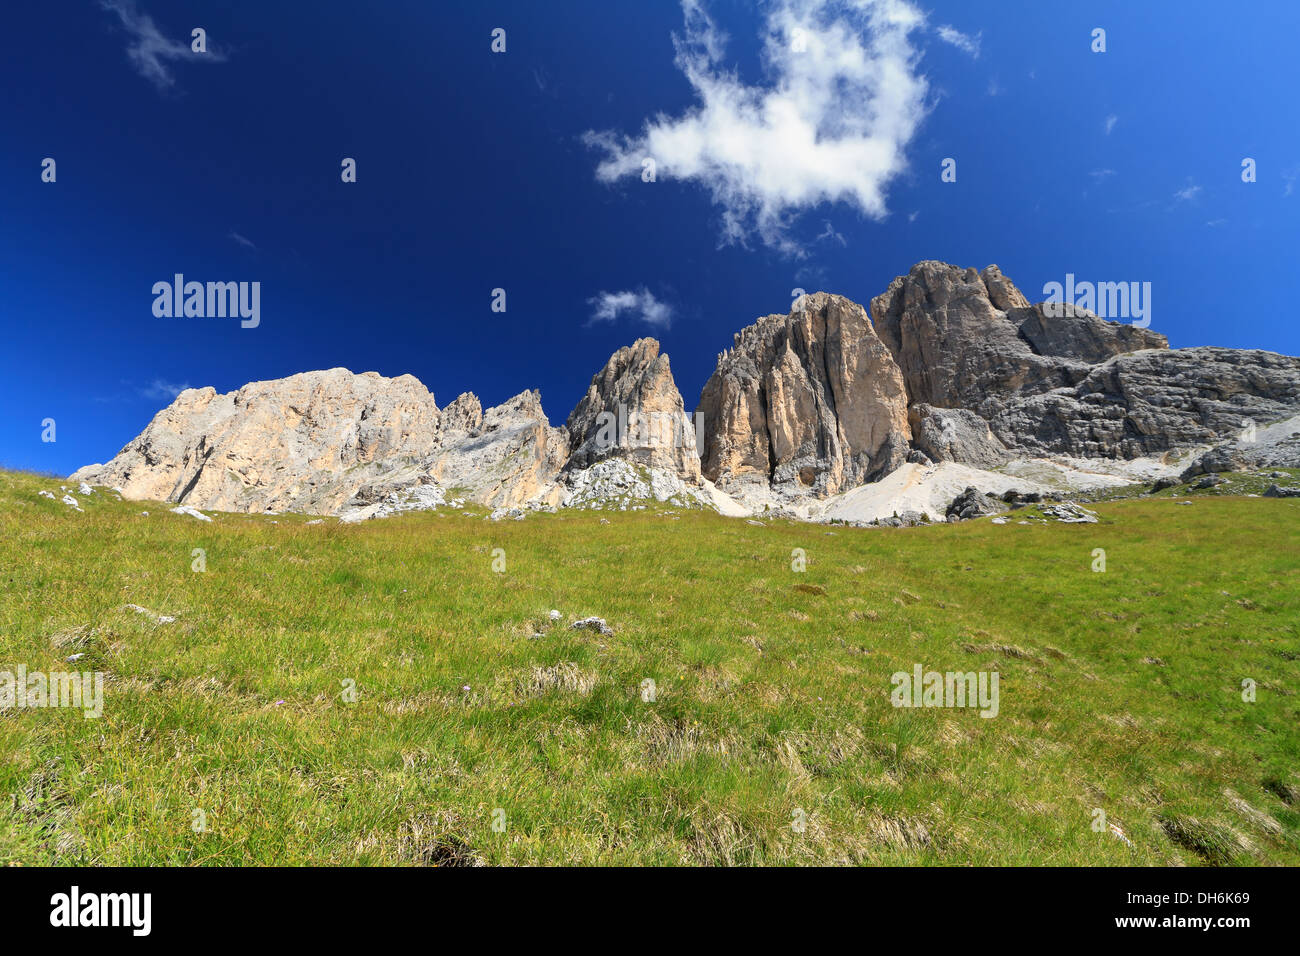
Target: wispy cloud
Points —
{"points": [[1111, 120], [149, 50], [1188, 194], [1101, 175], [639, 305], [842, 101], [161, 391], [830, 233], [1216, 222], [242, 240], [1289, 177], [962, 41]]}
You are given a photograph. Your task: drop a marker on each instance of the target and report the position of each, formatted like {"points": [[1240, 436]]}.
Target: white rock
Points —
{"points": [[85, 489], [157, 618], [593, 624], [192, 512], [46, 494], [617, 484], [1068, 512], [426, 497]]}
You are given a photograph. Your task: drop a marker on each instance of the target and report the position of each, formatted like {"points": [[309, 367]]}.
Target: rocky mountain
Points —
{"points": [[320, 442], [810, 402], [633, 410], [950, 365], [957, 365]]}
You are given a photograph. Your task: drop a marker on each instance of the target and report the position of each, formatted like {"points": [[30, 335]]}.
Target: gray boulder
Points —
{"points": [[971, 503], [1212, 462], [1277, 491]]}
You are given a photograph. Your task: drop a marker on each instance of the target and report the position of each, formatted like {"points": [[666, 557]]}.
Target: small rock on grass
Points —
{"points": [[192, 512], [1070, 513], [593, 624], [157, 618]]}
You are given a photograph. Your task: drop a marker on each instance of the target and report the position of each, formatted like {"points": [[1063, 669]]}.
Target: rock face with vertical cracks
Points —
{"points": [[809, 403], [633, 410]]}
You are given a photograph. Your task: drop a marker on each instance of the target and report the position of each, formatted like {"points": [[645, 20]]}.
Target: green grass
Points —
{"points": [[1120, 691], [1235, 483]]}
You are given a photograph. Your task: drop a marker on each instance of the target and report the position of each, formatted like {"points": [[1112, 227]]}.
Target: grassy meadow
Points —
{"points": [[482, 732]]}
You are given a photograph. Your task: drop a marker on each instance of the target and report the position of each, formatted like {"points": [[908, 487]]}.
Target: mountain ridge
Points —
{"points": [[948, 364]]}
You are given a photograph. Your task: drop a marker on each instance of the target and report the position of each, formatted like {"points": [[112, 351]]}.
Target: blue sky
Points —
{"points": [[520, 170]]}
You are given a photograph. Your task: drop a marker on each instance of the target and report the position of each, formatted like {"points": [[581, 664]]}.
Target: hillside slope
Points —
{"points": [[770, 738]]}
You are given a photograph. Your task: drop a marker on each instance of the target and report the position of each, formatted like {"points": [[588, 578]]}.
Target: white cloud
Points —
{"points": [[962, 41], [148, 49], [161, 391], [1191, 192], [1111, 120], [842, 101], [639, 304], [1101, 175], [242, 240]]}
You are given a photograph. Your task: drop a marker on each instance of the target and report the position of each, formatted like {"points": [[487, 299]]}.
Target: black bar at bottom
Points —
{"points": [[299, 906]]}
